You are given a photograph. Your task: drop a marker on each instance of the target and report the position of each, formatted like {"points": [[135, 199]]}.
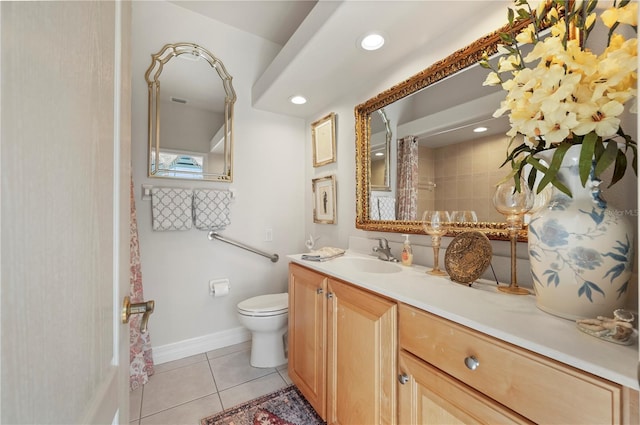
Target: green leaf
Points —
{"points": [[506, 38], [591, 6], [531, 178], [554, 182], [586, 156], [620, 167], [510, 16], [607, 158], [556, 162]]}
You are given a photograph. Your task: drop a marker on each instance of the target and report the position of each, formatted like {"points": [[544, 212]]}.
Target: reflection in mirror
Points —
{"points": [[190, 114], [455, 168], [380, 151]]}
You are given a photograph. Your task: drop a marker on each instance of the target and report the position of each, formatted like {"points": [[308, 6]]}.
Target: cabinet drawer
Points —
{"points": [[534, 386]]}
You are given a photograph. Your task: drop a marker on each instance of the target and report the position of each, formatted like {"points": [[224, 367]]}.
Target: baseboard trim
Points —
{"points": [[191, 347]]}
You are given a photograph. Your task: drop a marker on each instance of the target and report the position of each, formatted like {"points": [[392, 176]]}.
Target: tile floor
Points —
{"points": [[187, 390]]}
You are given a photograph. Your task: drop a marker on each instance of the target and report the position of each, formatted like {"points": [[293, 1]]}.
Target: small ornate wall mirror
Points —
{"points": [[190, 114]]}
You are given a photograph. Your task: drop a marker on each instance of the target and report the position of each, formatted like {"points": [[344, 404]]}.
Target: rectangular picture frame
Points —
{"points": [[323, 138], [324, 200]]}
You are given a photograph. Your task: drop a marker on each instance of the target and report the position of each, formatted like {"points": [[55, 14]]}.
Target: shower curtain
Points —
{"points": [[408, 178], [140, 356]]}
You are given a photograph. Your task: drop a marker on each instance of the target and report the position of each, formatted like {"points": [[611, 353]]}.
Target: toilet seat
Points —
{"points": [[265, 305]]}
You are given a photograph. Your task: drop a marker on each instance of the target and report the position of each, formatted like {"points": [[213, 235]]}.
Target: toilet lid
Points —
{"points": [[266, 304]]}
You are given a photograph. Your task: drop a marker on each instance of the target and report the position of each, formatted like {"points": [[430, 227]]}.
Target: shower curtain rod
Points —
{"points": [[273, 257]]}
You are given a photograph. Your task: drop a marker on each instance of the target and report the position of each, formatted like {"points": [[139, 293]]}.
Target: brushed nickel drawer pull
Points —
{"points": [[471, 362]]}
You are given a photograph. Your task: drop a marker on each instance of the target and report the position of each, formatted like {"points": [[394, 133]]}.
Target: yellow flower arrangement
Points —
{"points": [[561, 93]]}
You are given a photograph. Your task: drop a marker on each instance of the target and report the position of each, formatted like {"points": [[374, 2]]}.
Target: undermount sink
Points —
{"points": [[368, 265]]}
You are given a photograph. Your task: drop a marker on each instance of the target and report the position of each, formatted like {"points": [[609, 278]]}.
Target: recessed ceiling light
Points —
{"points": [[379, 154], [372, 41], [480, 129], [298, 100]]}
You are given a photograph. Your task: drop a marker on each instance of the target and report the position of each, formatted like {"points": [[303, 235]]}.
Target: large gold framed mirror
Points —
{"points": [[437, 109], [190, 115]]}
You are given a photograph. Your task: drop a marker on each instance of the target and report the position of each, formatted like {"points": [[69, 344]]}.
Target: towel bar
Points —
{"points": [[273, 257]]}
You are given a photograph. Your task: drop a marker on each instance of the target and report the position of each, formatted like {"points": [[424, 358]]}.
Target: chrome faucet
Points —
{"points": [[383, 250]]}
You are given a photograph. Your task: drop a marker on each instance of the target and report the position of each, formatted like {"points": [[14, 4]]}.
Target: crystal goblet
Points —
{"points": [[436, 224], [464, 216], [513, 203]]}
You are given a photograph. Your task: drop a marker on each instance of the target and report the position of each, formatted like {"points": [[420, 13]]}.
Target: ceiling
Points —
{"points": [[320, 58]]}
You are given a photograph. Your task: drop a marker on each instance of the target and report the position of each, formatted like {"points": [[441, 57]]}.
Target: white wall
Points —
{"points": [[268, 179]]}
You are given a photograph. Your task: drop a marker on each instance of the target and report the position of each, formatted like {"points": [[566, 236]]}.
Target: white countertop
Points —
{"points": [[511, 318]]}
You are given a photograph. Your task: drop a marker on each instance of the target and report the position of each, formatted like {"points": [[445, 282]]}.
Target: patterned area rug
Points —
{"points": [[283, 407]]}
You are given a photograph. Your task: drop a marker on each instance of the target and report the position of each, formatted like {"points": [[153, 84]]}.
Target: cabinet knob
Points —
{"points": [[330, 295], [471, 362], [319, 291], [403, 378]]}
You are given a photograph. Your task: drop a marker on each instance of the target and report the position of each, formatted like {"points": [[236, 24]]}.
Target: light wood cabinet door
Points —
{"points": [[362, 349], [307, 335], [429, 396]]}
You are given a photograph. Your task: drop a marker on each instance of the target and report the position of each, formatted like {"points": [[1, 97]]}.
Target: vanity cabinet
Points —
{"points": [[452, 374], [342, 348]]}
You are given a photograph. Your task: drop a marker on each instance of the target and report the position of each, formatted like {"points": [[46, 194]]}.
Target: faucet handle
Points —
{"points": [[383, 243]]}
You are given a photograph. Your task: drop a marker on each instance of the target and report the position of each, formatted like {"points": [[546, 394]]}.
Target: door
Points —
{"points": [[361, 359], [307, 355], [64, 258]]}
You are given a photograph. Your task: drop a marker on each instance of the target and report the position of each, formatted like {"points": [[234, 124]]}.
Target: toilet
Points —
{"points": [[266, 317]]}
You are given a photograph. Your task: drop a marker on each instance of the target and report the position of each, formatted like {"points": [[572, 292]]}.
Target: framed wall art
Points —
{"points": [[323, 137], [324, 200]]}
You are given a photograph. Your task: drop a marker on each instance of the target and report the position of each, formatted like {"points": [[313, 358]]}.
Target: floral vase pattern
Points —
{"points": [[580, 248]]}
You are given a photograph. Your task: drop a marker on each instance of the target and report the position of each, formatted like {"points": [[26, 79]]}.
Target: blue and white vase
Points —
{"points": [[580, 248]]}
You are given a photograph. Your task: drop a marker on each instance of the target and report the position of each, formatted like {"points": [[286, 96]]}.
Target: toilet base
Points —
{"points": [[268, 349]]}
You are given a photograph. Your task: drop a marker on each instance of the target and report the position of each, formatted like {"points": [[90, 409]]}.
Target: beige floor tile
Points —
{"points": [[234, 369], [243, 346], [177, 386], [135, 401], [284, 374], [252, 389], [186, 414], [164, 367]]}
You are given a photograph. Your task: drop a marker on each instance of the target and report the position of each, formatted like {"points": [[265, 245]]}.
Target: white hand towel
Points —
{"points": [[323, 254], [211, 209], [171, 208]]}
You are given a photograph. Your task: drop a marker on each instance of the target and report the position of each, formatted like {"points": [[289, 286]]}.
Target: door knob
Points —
{"points": [[471, 362], [144, 308], [403, 378]]}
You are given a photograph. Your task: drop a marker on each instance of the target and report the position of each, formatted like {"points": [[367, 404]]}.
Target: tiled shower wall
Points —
{"points": [[465, 176]]}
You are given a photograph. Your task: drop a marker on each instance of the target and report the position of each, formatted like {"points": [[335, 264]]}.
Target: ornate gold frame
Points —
{"points": [[459, 60]]}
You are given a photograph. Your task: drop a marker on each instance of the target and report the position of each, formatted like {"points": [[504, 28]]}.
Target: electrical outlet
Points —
{"points": [[268, 235]]}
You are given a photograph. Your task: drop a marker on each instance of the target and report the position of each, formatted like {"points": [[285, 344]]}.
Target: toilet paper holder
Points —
{"points": [[221, 285]]}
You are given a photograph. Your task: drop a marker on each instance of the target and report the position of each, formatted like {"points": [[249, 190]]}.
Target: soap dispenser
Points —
{"points": [[407, 253]]}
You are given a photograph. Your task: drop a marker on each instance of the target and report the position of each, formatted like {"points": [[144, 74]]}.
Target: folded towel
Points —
{"points": [[171, 208], [211, 209], [382, 208], [387, 207], [323, 254]]}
